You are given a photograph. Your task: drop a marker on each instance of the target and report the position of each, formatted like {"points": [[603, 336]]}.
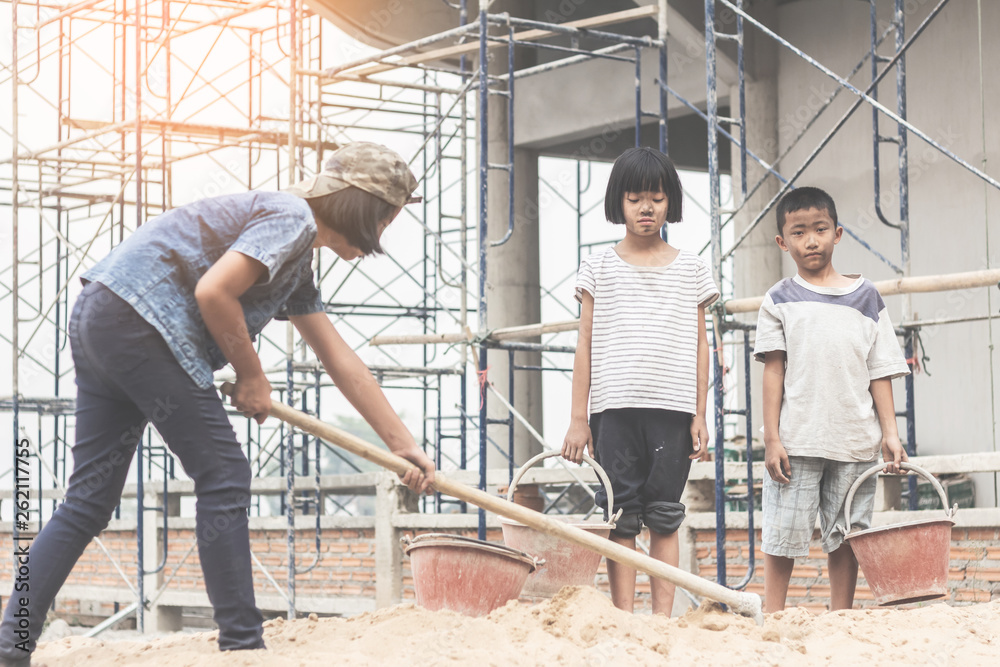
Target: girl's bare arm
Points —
{"points": [[578, 437], [699, 424]]}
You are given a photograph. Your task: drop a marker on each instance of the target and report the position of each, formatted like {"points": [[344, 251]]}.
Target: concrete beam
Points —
{"points": [[687, 36], [959, 463], [424, 522], [302, 522], [355, 485], [272, 602], [388, 23], [688, 138], [986, 462], [174, 599], [600, 21], [556, 107], [120, 595], [500, 476]]}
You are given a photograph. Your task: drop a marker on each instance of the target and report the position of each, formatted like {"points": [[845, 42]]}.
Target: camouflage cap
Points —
{"points": [[367, 166]]}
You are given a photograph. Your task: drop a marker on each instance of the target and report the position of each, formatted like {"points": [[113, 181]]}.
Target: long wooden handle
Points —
{"points": [[751, 304], [747, 604], [907, 285]]}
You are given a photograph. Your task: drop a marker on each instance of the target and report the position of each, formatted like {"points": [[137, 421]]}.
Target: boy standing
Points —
{"points": [[830, 354]]}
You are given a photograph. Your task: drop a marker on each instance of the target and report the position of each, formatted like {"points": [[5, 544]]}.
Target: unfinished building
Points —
{"points": [[119, 111]]}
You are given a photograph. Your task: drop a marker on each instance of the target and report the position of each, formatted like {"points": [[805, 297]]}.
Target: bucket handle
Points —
{"points": [[950, 512], [603, 476], [536, 562]]}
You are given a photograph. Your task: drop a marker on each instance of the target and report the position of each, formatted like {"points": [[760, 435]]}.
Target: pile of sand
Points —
{"points": [[578, 627]]}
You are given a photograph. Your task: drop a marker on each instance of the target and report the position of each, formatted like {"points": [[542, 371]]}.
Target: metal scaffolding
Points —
{"points": [[129, 100], [183, 100], [908, 330]]}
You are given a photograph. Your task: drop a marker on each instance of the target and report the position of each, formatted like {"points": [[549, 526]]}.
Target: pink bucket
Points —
{"points": [[465, 575], [566, 563], [907, 562]]}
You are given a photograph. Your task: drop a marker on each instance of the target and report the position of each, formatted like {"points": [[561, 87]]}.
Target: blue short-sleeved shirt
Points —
{"points": [[156, 269]]}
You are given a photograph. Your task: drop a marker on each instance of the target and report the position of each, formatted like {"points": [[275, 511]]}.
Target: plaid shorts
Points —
{"points": [[817, 485]]}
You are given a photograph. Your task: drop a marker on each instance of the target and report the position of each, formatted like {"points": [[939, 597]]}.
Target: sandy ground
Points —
{"points": [[578, 627]]}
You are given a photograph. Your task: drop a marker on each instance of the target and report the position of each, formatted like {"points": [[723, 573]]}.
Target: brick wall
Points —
{"points": [[346, 567], [974, 571], [346, 564], [92, 570]]}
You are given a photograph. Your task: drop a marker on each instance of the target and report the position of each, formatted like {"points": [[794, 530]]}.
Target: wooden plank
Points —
{"points": [[532, 330], [959, 463], [419, 339], [219, 132], [525, 36]]}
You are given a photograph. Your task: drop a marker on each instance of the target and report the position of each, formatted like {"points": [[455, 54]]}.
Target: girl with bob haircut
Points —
{"points": [[642, 361]]}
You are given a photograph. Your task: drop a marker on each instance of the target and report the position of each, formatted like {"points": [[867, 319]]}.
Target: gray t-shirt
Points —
{"points": [[157, 268], [837, 340]]}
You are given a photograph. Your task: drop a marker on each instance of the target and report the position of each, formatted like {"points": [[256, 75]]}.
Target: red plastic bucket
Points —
{"points": [[465, 575], [907, 562], [566, 563]]}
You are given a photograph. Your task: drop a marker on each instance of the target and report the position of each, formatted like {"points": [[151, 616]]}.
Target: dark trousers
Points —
{"points": [[645, 453], [127, 378]]}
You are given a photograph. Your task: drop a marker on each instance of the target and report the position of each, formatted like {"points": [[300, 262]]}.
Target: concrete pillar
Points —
{"points": [[757, 263], [513, 290], [687, 562], [158, 618], [514, 298], [388, 552]]}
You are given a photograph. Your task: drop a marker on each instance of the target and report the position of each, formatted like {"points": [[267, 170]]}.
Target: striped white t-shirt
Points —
{"points": [[644, 349]]}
